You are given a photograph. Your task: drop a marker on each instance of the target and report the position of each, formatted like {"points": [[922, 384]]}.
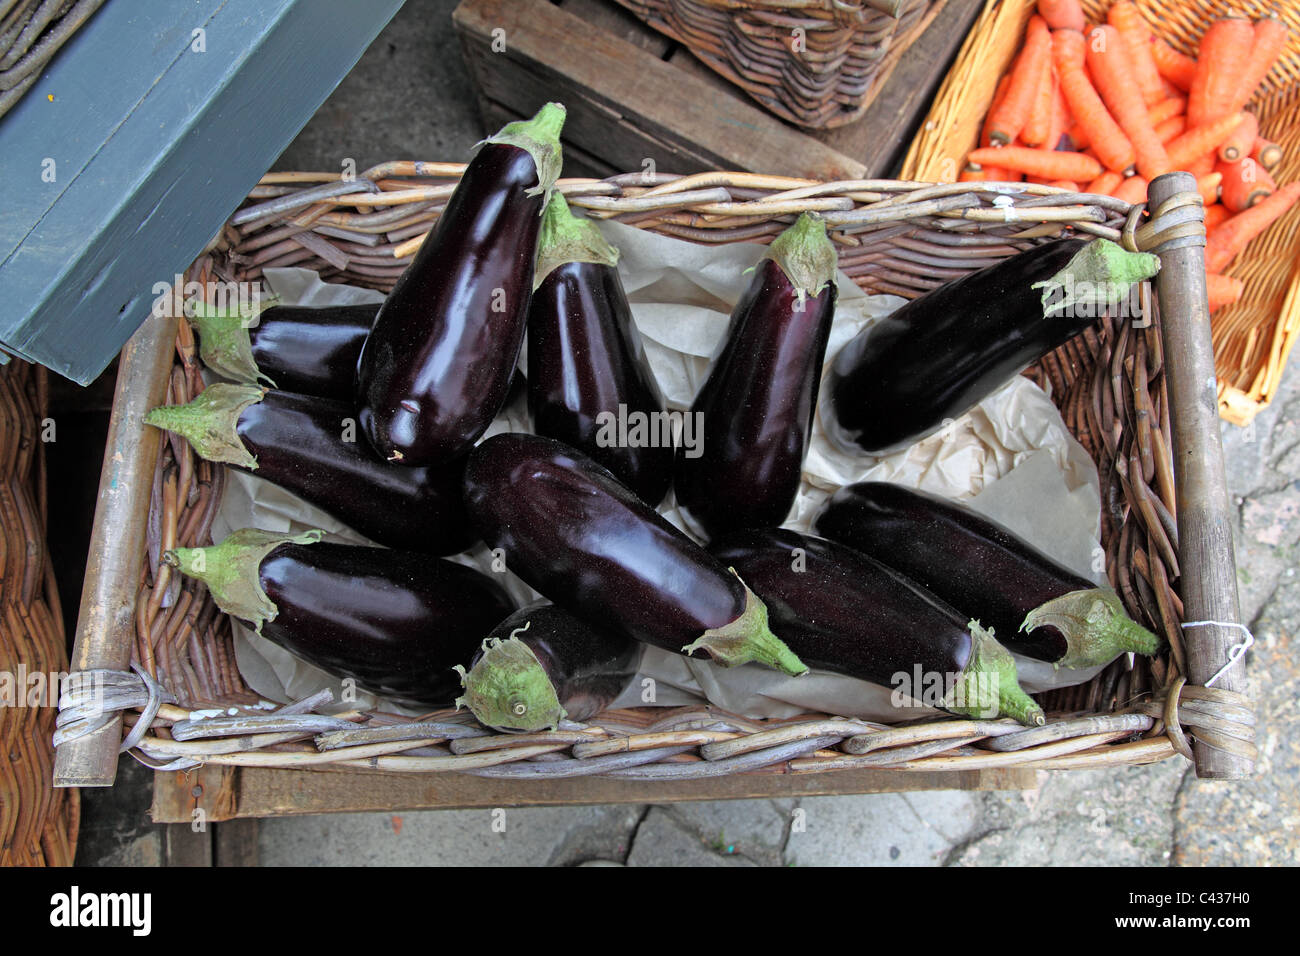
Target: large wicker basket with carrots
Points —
{"points": [[1254, 334], [1112, 385]]}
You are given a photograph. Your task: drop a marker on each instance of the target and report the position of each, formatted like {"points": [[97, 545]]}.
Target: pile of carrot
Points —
{"points": [[1105, 108]]}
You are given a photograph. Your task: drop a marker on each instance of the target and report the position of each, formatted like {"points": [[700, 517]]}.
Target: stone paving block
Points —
{"points": [[752, 828], [662, 841], [881, 829]]}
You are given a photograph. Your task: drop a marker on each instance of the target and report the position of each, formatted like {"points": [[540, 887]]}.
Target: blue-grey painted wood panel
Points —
{"points": [[136, 144]]}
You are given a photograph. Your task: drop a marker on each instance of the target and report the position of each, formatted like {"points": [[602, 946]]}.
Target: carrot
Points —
{"points": [[1245, 183], [1267, 153], [1202, 164], [1078, 136], [1090, 114], [973, 173], [1173, 127], [1124, 17], [1037, 126], [1132, 190], [1060, 115], [1208, 187], [1269, 40], [1062, 14], [1241, 140], [1013, 112], [1065, 184], [1178, 68], [1202, 139], [1166, 108], [1215, 215], [1225, 50], [1113, 75], [1047, 163], [1105, 184], [1222, 290], [998, 96], [1233, 234]]}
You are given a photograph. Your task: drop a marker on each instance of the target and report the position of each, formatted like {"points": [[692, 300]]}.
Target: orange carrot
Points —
{"points": [[1062, 14], [1222, 290], [1105, 184], [1047, 163], [1124, 17], [1214, 216], [1208, 187], [998, 96], [1241, 140], [1202, 139], [1060, 115], [1173, 127], [1113, 75], [1269, 40], [1245, 183], [1012, 113], [1267, 153], [1167, 108], [973, 173], [1225, 50], [1233, 234], [1037, 126], [1065, 184], [1078, 135], [1090, 114], [1132, 190], [1178, 68]]}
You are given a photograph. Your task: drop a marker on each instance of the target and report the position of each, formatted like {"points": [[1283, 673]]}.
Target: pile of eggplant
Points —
{"points": [[376, 415]]}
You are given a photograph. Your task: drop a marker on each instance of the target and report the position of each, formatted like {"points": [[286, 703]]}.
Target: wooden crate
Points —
{"points": [[633, 95]]}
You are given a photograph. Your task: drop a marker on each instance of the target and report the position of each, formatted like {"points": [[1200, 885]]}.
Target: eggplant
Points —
{"points": [[542, 665], [310, 351], [844, 612], [309, 446], [436, 367], [1036, 606], [760, 397], [572, 531], [903, 377], [587, 367], [396, 622]]}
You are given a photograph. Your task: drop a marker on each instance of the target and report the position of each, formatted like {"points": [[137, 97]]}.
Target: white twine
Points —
{"points": [[1235, 653]]}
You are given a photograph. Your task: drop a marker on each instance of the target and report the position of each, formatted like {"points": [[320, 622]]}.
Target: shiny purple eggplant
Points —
{"points": [[572, 531], [436, 367], [760, 397], [902, 377], [310, 446], [542, 665], [396, 622], [587, 367], [841, 611], [1036, 606], [310, 351]]}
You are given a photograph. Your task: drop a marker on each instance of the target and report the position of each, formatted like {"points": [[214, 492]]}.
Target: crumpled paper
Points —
{"points": [[1011, 458]]}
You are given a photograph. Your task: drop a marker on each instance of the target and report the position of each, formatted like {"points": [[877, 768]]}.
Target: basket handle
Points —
{"points": [[1209, 570]]}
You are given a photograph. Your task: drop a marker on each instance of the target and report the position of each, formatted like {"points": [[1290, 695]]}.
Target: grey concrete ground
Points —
{"points": [[409, 98]]}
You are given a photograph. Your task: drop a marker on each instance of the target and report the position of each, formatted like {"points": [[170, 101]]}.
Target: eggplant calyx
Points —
{"points": [[1096, 627], [224, 342], [509, 689], [748, 638], [806, 255], [565, 238], [539, 137], [1096, 278], [230, 570], [210, 422], [988, 687]]}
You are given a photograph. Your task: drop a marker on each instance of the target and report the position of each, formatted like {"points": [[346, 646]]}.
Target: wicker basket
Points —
{"points": [[38, 824], [816, 63], [893, 237], [1254, 336]]}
